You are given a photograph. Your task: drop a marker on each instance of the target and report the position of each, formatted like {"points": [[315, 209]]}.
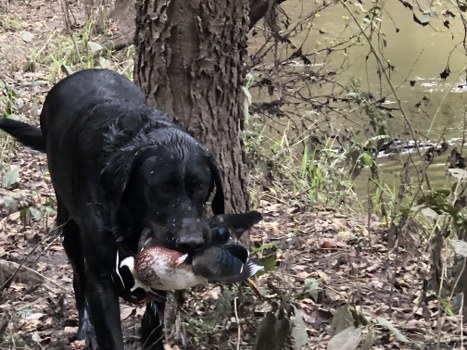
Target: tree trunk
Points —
{"points": [[124, 14], [189, 63]]}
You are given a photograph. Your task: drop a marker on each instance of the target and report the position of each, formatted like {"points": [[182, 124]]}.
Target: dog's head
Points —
{"points": [[165, 187]]}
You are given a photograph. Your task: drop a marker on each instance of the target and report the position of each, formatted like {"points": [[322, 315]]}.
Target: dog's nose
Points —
{"points": [[190, 243]]}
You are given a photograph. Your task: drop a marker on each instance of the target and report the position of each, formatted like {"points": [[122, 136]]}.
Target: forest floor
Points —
{"points": [[331, 271]]}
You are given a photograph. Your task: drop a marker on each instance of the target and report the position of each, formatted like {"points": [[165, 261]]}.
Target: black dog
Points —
{"points": [[118, 167]]}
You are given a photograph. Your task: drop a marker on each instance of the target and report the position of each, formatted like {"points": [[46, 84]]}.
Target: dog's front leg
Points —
{"points": [[99, 252], [152, 326], [103, 308]]}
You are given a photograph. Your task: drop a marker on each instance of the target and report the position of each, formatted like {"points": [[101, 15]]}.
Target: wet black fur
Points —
{"points": [[118, 166]]}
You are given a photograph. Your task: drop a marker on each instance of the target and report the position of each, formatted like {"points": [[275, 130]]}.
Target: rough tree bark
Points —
{"points": [[124, 14], [189, 63]]}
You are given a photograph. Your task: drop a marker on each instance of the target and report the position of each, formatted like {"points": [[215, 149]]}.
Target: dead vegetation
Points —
{"points": [[332, 281]]}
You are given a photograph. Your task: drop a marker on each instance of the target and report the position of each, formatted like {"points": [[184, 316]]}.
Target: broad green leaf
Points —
{"points": [[460, 174], [24, 311], [94, 47], [10, 203], [460, 247], [26, 36], [422, 19], [385, 323], [348, 339], [36, 213], [66, 69], [10, 177], [36, 337], [342, 319], [265, 335], [269, 262], [367, 343], [429, 213], [264, 247], [273, 331], [313, 286], [105, 63], [299, 333], [366, 159]]}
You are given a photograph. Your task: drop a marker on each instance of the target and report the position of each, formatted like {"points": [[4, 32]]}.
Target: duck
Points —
{"points": [[160, 268], [157, 268]]}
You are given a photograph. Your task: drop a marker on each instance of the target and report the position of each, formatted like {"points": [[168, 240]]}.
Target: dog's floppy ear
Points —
{"points": [[115, 176], [217, 203]]}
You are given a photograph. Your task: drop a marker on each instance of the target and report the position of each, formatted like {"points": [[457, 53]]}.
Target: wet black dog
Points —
{"points": [[118, 167]]}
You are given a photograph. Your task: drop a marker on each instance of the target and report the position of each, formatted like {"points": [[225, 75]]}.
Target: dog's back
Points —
{"points": [[77, 95], [72, 99]]}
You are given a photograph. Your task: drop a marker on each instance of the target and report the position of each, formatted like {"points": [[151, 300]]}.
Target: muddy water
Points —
{"points": [[419, 54]]}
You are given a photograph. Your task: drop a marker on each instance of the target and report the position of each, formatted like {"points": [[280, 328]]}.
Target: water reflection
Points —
{"points": [[435, 107]]}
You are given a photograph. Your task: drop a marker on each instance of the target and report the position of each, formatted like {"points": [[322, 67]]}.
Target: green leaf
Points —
{"points": [[429, 213], [304, 162], [313, 286], [264, 247], [299, 333], [36, 337], [105, 63], [367, 343], [385, 323], [26, 36], [460, 247], [348, 339], [273, 331], [460, 174], [366, 159], [247, 94], [36, 213], [25, 216], [40, 82], [10, 203], [10, 177], [66, 69], [269, 262], [265, 333], [422, 19], [24, 311], [94, 47], [343, 319]]}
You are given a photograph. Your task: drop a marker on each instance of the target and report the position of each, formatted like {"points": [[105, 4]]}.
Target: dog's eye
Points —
{"points": [[161, 190], [198, 186]]}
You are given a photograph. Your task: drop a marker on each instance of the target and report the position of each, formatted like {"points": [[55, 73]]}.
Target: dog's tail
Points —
{"points": [[27, 134]]}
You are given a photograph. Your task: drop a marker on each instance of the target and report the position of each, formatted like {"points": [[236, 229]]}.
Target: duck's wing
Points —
{"points": [[227, 263], [234, 224]]}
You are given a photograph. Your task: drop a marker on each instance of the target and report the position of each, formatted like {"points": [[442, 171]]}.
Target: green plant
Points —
{"points": [[299, 170], [8, 96], [9, 24]]}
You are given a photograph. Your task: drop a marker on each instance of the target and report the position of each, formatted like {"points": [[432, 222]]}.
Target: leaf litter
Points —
{"points": [[331, 283]]}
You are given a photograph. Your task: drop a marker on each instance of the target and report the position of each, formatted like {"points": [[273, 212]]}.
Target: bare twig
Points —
{"points": [[239, 333]]}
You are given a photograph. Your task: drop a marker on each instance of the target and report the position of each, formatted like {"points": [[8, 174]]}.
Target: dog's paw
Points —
{"points": [[86, 333]]}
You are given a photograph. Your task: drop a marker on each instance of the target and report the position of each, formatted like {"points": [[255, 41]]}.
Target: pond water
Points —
{"points": [[435, 107]]}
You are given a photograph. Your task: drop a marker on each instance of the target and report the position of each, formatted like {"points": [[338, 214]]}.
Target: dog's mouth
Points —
{"points": [[149, 238]]}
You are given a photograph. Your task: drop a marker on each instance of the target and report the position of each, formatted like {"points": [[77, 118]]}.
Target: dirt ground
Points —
{"points": [[329, 271]]}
